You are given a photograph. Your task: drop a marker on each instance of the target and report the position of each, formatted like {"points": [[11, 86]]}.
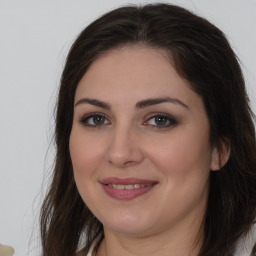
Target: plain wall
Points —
{"points": [[35, 37]]}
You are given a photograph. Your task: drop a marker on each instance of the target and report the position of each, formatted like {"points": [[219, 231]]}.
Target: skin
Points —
{"points": [[129, 142]]}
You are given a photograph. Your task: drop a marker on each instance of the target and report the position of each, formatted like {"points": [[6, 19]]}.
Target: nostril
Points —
{"points": [[129, 163]]}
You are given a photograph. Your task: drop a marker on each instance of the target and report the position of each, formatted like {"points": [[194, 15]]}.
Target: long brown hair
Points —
{"points": [[202, 55]]}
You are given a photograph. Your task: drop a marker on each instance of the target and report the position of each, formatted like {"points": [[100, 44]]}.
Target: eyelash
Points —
{"points": [[85, 120], [169, 119]]}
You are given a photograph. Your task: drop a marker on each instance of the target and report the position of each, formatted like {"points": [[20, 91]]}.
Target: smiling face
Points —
{"points": [[140, 144]]}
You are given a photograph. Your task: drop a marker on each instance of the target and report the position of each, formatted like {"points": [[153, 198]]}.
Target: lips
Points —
{"points": [[127, 188]]}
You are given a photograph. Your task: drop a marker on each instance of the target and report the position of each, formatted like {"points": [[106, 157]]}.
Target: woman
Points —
{"points": [[155, 141]]}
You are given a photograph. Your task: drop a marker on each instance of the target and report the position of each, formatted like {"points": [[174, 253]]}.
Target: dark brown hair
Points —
{"points": [[202, 55]]}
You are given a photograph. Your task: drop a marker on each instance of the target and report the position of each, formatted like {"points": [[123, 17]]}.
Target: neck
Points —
{"points": [[178, 244]]}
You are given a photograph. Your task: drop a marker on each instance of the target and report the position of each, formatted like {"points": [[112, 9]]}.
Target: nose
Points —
{"points": [[124, 148]]}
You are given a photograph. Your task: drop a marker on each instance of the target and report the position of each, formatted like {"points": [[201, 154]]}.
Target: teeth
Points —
{"points": [[129, 186]]}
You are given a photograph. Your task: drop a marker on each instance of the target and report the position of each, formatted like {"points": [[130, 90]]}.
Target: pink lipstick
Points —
{"points": [[127, 188]]}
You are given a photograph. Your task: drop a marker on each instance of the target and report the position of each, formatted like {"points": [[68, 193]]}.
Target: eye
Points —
{"points": [[161, 121], [95, 120]]}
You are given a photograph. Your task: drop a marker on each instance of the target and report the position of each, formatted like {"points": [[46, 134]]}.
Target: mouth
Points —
{"points": [[127, 188]]}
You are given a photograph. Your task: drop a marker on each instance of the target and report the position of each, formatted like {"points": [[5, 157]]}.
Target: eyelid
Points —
{"points": [[86, 117], [171, 119]]}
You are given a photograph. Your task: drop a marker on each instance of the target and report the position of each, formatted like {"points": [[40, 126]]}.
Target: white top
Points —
{"points": [[245, 245], [90, 253]]}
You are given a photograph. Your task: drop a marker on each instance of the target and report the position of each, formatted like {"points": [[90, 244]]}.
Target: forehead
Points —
{"points": [[133, 73]]}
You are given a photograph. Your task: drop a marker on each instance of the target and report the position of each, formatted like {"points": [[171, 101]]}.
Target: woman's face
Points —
{"points": [[140, 144]]}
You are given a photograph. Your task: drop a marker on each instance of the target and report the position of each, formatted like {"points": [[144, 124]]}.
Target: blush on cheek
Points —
{"points": [[78, 149], [183, 156]]}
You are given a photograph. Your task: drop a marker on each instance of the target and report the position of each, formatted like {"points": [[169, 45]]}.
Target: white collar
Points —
{"points": [[246, 243]]}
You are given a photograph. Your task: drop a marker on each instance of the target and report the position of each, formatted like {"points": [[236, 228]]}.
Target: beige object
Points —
{"points": [[6, 250]]}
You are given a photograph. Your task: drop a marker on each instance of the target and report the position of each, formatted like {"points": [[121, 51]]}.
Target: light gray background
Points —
{"points": [[34, 40]]}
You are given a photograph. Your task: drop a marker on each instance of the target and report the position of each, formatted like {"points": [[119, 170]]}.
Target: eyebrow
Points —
{"points": [[94, 102], [155, 101], [139, 105]]}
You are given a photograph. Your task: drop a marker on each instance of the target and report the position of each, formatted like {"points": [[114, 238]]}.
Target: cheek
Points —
{"points": [[85, 152], [187, 153], [185, 164]]}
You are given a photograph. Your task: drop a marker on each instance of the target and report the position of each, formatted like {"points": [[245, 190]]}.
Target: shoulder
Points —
{"points": [[247, 244], [90, 253]]}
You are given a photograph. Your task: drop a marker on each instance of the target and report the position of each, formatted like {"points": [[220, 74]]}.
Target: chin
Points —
{"points": [[129, 225]]}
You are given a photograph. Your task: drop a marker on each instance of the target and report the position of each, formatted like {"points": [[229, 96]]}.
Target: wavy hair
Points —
{"points": [[200, 54]]}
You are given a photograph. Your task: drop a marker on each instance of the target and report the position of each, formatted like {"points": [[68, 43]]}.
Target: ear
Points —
{"points": [[220, 155]]}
